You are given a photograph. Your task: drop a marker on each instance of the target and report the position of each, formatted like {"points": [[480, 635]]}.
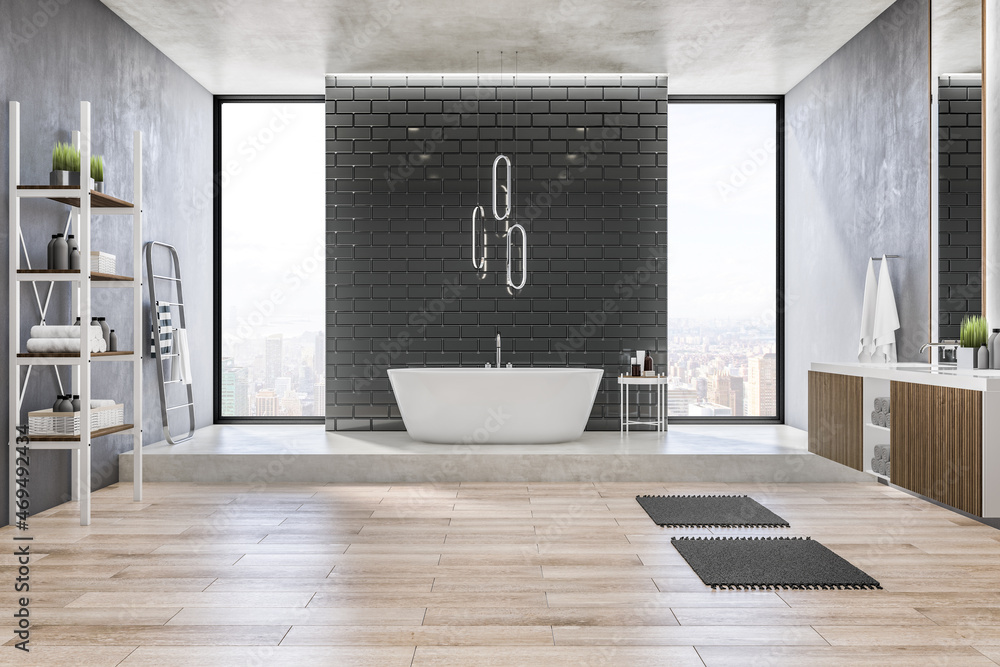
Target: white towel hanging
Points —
{"points": [[183, 358], [866, 345], [886, 318]]}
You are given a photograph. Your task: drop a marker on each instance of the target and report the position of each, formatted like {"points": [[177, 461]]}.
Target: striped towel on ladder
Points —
{"points": [[166, 342]]}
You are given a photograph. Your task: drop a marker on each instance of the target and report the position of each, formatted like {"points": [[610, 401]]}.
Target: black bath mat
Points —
{"points": [[708, 511], [762, 563]]}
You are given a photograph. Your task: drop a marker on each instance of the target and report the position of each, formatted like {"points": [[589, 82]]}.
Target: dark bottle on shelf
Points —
{"points": [[106, 330], [113, 344], [51, 261], [60, 254], [74, 253], [76, 402], [647, 366]]}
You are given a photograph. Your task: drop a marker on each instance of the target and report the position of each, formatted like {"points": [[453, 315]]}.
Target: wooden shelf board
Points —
{"points": [[70, 355], [110, 277], [75, 438], [28, 271], [97, 199], [100, 277]]}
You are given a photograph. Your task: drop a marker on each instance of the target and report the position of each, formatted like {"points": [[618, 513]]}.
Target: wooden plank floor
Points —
{"points": [[487, 574]]}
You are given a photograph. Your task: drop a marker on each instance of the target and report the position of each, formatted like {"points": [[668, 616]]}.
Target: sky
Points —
{"points": [[721, 207], [273, 218]]}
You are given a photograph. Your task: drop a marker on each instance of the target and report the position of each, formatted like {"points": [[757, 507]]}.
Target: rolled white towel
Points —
{"points": [[52, 331], [48, 345], [876, 464]]}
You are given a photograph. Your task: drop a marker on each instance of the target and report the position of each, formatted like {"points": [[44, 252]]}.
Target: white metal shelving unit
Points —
{"points": [[85, 204]]}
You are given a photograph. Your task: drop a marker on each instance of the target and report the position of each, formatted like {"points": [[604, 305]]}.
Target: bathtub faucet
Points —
{"points": [[498, 350]]}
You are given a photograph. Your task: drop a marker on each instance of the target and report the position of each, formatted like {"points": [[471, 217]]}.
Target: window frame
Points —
{"points": [[779, 302], [218, 102]]}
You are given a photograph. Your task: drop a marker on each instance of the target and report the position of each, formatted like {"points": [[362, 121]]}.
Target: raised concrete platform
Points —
{"points": [[289, 454]]}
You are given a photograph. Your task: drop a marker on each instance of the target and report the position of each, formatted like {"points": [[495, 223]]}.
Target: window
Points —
{"points": [[270, 258], [724, 228]]}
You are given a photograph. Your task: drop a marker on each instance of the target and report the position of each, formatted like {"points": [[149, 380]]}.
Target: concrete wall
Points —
{"points": [[52, 56], [857, 185], [403, 169]]}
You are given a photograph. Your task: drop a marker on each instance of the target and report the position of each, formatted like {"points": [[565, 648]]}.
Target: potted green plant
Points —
{"points": [[66, 166], [97, 172], [974, 333]]}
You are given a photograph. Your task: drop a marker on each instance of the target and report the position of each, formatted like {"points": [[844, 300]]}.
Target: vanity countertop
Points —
{"points": [[942, 375]]}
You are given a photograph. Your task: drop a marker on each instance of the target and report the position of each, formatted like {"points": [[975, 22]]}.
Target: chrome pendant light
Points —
{"points": [[505, 211], [509, 199], [478, 261]]}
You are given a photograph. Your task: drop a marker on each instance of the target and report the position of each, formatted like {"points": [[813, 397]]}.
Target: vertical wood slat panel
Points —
{"points": [[836, 422], [936, 443]]}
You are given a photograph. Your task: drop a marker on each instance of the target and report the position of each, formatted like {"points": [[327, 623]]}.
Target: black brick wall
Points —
{"points": [[960, 202], [404, 162]]}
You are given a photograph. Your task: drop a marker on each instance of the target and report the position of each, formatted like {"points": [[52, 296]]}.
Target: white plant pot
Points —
{"points": [[967, 357], [64, 178]]}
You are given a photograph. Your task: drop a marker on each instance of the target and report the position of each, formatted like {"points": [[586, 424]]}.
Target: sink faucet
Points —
{"points": [[943, 344], [498, 350]]}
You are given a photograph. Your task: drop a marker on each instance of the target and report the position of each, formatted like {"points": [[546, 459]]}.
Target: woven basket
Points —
{"points": [[47, 422]]}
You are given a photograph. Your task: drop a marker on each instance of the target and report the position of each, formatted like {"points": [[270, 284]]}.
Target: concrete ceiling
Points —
{"points": [[956, 37], [709, 46]]}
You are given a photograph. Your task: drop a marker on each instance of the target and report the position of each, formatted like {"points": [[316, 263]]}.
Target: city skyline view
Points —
{"points": [[722, 260], [722, 341], [274, 260]]}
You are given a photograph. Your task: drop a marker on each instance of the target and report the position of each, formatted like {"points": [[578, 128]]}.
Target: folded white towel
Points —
{"points": [[73, 331], [44, 345], [866, 346], [183, 359], [886, 318]]}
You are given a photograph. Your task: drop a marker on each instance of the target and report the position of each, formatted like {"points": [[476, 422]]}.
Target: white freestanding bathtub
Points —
{"points": [[495, 405]]}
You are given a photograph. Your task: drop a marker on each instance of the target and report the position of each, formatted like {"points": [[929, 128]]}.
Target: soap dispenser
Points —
{"points": [[647, 366]]}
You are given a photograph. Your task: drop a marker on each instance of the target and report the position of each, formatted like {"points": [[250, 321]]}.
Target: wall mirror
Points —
{"points": [[956, 165]]}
